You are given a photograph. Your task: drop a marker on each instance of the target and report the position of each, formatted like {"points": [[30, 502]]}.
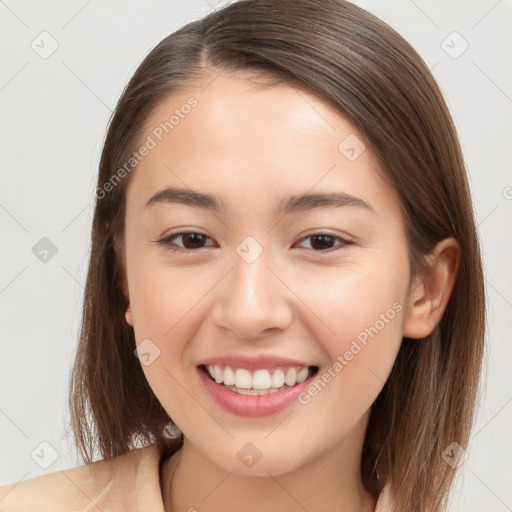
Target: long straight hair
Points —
{"points": [[359, 64]]}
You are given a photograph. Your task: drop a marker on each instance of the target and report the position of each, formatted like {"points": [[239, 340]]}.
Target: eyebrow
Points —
{"points": [[290, 204]]}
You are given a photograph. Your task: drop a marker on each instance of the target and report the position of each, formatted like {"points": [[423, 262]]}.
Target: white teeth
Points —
{"points": [[243, 378], [260, 382], [291, 377], [278, 378], [253, 391], [302, 375], [229, 376]]}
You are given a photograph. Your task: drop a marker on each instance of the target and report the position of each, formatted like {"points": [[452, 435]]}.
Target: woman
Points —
{"points": [[284, 303]]}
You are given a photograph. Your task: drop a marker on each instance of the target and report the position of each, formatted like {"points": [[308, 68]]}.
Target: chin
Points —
{"points": [[253, 462]]}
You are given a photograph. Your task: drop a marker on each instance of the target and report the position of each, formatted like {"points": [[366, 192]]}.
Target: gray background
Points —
{"points": [[54, 111]]}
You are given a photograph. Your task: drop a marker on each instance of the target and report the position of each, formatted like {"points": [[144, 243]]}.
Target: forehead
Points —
{"points": [[231, 132]]}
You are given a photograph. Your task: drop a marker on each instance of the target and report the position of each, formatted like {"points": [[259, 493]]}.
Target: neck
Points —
{"points": [[331, 481]]}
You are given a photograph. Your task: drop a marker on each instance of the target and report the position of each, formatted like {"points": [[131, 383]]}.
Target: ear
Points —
{"points": [[129, 316], [124, 281], [429, 295]]}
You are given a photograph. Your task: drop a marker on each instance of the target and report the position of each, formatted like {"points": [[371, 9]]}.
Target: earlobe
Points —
{"points": [[128, 313], [429, 296], [129, 316]]}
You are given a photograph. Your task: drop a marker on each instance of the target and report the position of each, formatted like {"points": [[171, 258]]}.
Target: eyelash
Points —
{"points": [[169, 245]]}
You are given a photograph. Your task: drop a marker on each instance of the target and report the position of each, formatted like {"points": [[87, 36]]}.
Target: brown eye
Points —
{"points": [[324, 242], [191, 241]]}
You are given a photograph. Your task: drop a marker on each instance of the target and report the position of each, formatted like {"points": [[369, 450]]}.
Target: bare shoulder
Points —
{"points": [[84, 488], [70, 489]]}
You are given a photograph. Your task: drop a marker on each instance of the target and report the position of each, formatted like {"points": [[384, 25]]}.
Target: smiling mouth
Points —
{"points": [[258, 382]]}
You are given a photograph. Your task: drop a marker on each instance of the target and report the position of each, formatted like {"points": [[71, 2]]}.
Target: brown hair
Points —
{"points": [[373, 76]]}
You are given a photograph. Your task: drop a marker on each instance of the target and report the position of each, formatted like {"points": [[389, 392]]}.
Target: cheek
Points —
{"points": [[353, 301], [365, 309], [163, 299], [167, 304]]}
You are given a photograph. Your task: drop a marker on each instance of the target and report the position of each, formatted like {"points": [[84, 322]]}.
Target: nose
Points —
{"points": [[252, 300]]}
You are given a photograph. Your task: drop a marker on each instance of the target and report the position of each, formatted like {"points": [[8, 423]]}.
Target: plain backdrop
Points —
{"points": [[63, 66]]}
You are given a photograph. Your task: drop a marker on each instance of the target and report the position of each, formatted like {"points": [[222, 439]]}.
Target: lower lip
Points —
{"points": [[252, 405]]}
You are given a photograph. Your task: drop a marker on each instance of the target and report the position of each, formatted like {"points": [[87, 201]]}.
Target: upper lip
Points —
{"points": [[253, 362]]}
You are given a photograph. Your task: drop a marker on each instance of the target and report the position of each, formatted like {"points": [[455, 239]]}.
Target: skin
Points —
{"points": [[253, 145]]}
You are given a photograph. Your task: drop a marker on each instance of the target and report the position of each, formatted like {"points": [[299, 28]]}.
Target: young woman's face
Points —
{"points": [[267, 282]]}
